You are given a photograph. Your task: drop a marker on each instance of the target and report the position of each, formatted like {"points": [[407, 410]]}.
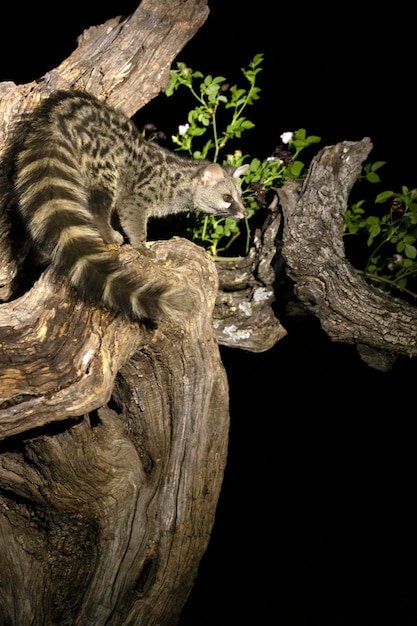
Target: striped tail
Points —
{"points": [[54, 204]]}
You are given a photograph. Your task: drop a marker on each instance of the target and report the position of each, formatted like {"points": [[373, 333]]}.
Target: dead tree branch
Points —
{"points": [[349, 309]]}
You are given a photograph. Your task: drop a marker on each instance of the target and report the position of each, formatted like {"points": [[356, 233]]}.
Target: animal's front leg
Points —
{"points": [[133, 220]]}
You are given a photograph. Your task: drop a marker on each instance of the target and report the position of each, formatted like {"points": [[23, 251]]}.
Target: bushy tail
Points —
{"points": [[95, 271], [54, 204]]}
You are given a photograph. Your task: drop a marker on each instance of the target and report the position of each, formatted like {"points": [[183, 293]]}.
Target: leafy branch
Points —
{"points": [[212, 93], [392, 235]]}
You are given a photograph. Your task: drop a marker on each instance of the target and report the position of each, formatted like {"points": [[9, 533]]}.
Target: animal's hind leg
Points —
{"points": [[100, 204]]}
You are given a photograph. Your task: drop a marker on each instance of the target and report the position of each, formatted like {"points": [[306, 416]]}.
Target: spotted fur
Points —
{"points": [[82, 162]]}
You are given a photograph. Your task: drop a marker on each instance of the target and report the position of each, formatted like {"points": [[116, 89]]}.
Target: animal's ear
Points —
{"points": [[212, 174], [239, 171]]}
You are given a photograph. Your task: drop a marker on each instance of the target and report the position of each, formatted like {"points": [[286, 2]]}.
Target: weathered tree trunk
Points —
{"points": [[114, 446], [113, 435], [349, 309]]}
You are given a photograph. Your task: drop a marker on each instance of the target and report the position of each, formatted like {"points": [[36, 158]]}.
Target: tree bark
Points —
{"points": [[349, 309], [114, 446], [113, 435], [244, 315]]}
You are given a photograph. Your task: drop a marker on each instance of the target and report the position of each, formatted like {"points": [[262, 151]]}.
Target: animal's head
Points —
{"points": [[218, 191]]}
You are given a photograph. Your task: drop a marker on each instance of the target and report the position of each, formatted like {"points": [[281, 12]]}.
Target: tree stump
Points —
{"points": [[114, 442], [113, 434]]}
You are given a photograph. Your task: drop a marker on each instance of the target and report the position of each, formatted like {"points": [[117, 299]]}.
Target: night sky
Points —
{"points": [[315, 522]]}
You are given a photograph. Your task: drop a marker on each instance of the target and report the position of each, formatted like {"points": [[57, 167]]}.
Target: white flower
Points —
{"points": [[397, 261], [182, 129], [286, 137]]}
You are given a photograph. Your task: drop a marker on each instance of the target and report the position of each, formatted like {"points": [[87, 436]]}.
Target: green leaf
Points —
{"points": [[300, 134], [372, 177], [410, 251], [237, 93], [384, 196], [375, 166], [299, 143], [247, 124], [257, 59], [412, 218], [253, 94], [255, 164], [374, 230], [296, 168], [313, 139], [196, 132]]}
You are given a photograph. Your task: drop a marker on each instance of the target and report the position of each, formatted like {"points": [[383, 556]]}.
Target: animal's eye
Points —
{"points": [[228, 198]]}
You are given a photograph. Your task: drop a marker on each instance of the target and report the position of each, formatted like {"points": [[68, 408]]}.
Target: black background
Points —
{"points": [[315, 522]]}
